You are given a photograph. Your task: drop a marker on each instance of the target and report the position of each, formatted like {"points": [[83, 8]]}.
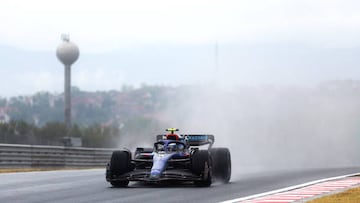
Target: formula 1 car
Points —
{"points": [[173, 158]]}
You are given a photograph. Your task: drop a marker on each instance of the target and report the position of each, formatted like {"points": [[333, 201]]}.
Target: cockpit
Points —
{"points": [[169, 147]]}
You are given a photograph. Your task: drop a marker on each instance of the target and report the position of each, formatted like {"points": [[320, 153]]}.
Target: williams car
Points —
{"points": [[184, 158]]}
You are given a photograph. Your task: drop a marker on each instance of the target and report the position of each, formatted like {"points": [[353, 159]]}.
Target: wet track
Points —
{"points": [[90, 186]]}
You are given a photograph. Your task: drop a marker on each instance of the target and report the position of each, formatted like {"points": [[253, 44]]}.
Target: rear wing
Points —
{"points": [[193, 139]]}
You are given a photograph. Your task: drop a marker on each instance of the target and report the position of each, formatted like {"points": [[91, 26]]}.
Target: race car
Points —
{"points": [[173, 158]]}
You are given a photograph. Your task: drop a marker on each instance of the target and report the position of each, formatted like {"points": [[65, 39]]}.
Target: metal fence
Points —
{"points": [[32, 156]]}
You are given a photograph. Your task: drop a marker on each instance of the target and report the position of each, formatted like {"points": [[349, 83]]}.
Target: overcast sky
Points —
{"points": [[142, 41]]}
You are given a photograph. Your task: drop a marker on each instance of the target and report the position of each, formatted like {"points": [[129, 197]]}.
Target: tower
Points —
{"points": [[67, 53]]}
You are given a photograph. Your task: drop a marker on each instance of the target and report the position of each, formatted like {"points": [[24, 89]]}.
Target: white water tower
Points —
{"points": [[67, 52]]}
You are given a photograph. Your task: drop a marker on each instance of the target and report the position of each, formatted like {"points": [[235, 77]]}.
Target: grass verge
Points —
{"points": [[348, 196]]}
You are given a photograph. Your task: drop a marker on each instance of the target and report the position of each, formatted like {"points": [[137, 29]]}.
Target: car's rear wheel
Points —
{"points": [[120, 164], [201, 165], [221, 164]]}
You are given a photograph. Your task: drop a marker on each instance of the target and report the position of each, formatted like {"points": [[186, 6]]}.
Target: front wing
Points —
{"points": [[144, 175]]}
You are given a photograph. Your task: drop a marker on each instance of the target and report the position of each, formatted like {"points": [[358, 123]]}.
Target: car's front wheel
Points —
{"points": [[120, 163], [120, 183]]}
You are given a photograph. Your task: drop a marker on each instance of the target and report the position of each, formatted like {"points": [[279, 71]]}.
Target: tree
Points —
{"points": [[52, 133]]}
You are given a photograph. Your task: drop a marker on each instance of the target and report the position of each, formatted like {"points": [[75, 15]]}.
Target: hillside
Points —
{"points": [[254, 114], [105, 107]]}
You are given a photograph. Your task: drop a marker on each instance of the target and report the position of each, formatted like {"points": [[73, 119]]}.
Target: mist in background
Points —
{"points": [[270, 127], [239, 64]]}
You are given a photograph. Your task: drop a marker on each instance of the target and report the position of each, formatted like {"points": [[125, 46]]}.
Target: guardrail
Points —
{"points": [[32, 156]]}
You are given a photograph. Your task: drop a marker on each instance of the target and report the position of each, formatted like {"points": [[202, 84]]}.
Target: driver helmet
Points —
{"points": [[172, 137], [172, 147]]}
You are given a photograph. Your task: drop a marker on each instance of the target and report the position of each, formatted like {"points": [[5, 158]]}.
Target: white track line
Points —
{"points": [[288, 188]]}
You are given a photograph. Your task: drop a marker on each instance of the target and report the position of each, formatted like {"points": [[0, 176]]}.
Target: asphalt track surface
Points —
{"points": [[90, 186]]}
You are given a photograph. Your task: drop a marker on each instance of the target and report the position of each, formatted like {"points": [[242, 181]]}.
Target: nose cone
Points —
{"points": [[159, 164], [154, 176], [67, 52]]}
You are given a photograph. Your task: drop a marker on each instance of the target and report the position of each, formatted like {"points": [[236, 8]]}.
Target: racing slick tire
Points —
{"points": [[120, 164], [201, 165], [118, 183], [221, 167]]}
